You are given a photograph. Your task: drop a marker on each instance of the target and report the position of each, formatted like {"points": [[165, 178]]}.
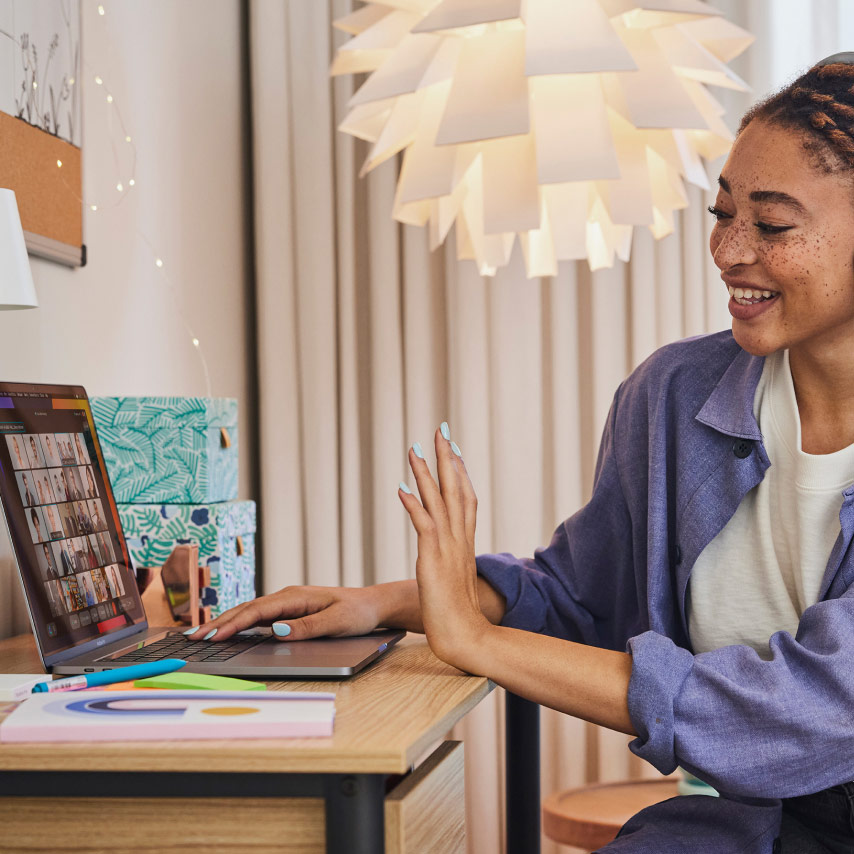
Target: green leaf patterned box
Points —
{"points": [[175, 450], [224, 533]]}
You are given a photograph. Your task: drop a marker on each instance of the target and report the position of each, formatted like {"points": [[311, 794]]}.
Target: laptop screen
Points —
{"points": [[62, 517]]}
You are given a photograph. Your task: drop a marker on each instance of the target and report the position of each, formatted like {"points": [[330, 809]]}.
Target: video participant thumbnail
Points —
{"points": [[46, 560], [88, 479], [32, 448], [27, 488], [37, 525], [57, 478], [54, 598], [63, 558], [17, 452], [71, 594], [114, 579], [65, 448], [50, 450]]}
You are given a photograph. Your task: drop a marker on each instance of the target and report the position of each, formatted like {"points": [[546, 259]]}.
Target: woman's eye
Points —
{"points": [[765, 228], [718, 214]]}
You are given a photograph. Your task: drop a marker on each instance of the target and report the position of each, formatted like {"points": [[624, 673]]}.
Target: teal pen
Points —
{"points": [[107, 677]]}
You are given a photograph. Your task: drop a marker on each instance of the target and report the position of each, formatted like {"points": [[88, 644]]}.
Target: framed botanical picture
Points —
{"points": [[40, 123]]}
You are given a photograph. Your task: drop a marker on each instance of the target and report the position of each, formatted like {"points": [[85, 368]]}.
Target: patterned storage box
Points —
{"points": [[225, 534], [175, 450]]}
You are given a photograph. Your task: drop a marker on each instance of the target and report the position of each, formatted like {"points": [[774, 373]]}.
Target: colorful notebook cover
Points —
{"points": [[169, 715]]}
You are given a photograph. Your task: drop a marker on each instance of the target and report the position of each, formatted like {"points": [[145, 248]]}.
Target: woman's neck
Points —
{"points": [[824, 388]]}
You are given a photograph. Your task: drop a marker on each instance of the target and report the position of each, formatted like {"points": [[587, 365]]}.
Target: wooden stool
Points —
{"points": [[591, 816]]}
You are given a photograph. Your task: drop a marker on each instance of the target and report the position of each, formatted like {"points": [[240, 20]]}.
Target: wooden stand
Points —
{"points": [[182, 564]]}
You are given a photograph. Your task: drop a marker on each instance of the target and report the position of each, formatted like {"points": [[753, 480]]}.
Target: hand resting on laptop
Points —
{"points": [[299, 613]]}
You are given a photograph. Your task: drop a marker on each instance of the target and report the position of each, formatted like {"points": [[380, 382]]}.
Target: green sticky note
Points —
{"points": [[199, 681]]}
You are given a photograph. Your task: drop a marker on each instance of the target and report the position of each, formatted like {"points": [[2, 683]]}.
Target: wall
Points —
{"points": [[175, 72]]}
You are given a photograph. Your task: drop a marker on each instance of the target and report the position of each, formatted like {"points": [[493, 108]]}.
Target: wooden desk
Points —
{"points": [[359, 791]]}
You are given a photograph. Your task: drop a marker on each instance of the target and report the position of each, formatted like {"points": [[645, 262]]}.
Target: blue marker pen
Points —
{"points": [[107, 677]]}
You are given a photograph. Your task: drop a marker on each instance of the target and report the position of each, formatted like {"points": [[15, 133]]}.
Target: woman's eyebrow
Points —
{"points": [[774, 196]]}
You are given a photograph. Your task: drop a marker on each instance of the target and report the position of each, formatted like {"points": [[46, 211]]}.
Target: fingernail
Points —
{"points": [[405, 488], [418, 452], [446, 431], [210, 634], [190, 631], [455, 449], [281, 630]]}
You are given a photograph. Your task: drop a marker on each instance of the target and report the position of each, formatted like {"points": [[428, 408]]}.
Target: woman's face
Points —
{"points": [[786, 228]]}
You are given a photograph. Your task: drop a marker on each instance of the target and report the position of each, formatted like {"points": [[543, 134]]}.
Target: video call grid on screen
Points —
{"points": [[58, 507]]}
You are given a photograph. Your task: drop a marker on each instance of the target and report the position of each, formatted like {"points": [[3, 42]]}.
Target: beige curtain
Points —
{"points": [[366, 342]]}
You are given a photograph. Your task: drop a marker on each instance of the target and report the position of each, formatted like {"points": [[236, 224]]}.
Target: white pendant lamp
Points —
{"points": [[565, 122], [16, 280]]}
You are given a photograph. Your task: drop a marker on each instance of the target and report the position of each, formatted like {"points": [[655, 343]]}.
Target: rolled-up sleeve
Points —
{"points": [[752, 727]]}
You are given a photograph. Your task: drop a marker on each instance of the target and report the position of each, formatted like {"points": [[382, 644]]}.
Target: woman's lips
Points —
{"points": [[743, 307]]}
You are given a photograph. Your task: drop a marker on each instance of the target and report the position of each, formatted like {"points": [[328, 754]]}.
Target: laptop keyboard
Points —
{"points": [[178, 646]]}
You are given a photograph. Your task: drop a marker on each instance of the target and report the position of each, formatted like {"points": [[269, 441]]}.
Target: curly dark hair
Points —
{"points": [[819, 104]]}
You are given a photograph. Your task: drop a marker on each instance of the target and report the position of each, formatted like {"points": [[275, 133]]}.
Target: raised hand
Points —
{"points": [[444, 520]]}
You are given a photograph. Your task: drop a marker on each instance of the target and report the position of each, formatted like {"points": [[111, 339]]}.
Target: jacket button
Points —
{"points": [[777, 847], [678, 555], [742, 448]]}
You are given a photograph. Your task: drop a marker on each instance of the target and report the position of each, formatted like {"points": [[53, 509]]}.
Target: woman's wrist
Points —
{"points": [[398, 605]]}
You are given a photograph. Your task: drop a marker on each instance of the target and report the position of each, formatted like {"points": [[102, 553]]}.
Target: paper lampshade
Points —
{"points": [[16, 280], [567, 122]]}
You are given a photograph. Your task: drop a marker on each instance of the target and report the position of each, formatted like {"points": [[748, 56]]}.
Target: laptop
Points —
{"points": [[75, 568]]}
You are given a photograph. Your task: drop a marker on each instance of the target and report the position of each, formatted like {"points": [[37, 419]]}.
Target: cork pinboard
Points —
{"points": [[40, 120]]}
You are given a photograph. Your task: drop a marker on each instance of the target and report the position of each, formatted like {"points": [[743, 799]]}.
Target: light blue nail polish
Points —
{"points": [[405, 488], [455, 448], [446, 431], [190, 631], [418, 450], [210, 634], [281, 630]]}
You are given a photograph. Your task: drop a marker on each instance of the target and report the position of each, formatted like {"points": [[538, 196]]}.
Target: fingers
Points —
{"points": [[449, 481], [262, 611], [422, 521], [266, 610], [469, 501], [199, 632], [431, 497], [334, 621], [451, 505]]}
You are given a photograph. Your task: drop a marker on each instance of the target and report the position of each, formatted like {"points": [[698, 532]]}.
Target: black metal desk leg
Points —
{"points": [[522, 764], [354, 813]]}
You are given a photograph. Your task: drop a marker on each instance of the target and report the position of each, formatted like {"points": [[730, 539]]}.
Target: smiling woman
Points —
{"points": [[703, 600]]}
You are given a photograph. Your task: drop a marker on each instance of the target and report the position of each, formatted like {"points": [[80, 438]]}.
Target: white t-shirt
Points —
{"points": [[760, 573]]}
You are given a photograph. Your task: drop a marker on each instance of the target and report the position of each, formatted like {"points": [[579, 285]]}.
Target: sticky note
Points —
{"points": [[199, 681]]}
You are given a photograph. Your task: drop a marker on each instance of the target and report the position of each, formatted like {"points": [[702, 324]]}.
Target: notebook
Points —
{"points": [[169, 715], [81, 592]]}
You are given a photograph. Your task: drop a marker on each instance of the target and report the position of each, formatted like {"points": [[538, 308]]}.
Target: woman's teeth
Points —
{"points": [[746, 296]]}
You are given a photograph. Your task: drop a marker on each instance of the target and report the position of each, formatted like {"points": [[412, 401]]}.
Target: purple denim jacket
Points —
{"points": [[680, 450]]}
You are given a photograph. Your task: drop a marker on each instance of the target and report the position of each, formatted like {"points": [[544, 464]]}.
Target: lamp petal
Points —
{"points": [[511, 200], [571, 129], [359, 21], [489, 94], [457, 14], [564, 38]]}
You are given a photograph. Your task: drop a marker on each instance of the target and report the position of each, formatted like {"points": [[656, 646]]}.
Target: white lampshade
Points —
{"points": [[563, 122], [16, 280]]}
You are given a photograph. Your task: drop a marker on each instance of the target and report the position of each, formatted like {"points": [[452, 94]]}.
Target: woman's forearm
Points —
{"points": [[583, 681], [400, 607]]}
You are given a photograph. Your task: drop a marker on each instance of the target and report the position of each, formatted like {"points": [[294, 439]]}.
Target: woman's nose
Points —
{"points": [[733, 244]]}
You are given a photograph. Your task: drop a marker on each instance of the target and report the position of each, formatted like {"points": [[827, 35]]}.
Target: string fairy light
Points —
{"points": [[120, 196]]}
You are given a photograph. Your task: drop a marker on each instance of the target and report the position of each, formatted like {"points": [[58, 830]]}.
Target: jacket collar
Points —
{"points": [[729, 408]]}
